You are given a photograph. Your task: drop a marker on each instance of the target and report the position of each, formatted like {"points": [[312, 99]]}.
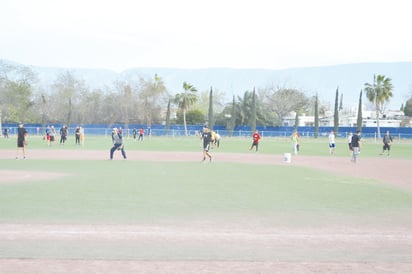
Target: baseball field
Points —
{"points": [[69, 209]]}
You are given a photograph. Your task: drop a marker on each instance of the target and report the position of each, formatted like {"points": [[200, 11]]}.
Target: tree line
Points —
{"points": [[68, 100]]}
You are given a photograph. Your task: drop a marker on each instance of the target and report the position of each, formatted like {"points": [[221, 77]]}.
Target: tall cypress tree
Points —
{"points": [[210, 114], [168, 117], [316, 116], [359, 121], [253, 110], [233, 117], [296, 121], [336, 115]]}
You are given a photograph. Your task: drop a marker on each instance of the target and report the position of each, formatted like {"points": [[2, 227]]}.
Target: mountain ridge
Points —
{"points": [[321, 80]]}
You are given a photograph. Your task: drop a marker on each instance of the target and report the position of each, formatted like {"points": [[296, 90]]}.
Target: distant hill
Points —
{"points": [[322, 80]]}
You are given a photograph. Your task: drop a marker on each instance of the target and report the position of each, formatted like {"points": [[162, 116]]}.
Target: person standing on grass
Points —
{"points": [[48, 135], [52, 135], [356, 145], [387, 142], [207, 138], [6, 133], [117, 143], [350, 142], [21, 141], [332, 143], [77, 135], [63, 134], [295, 142], [141, 134], [256, 139], [134, 134]]}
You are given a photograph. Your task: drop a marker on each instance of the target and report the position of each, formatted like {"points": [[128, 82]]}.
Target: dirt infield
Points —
{"points": [[227, 248]]}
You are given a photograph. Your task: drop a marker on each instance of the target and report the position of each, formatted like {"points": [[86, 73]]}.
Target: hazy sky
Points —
{"points": [[273, 34]]}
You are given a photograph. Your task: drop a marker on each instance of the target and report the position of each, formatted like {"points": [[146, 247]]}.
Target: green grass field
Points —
{"points": [[138, 191]]}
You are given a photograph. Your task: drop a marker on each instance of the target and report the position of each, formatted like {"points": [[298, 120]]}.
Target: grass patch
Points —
{"points": [[140, 192]]}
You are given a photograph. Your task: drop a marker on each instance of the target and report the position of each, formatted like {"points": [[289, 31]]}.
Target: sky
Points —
{"points": [[191, 34]]}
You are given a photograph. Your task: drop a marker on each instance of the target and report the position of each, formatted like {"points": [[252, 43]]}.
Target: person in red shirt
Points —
{"points": [[141, 134], [256, 138]]}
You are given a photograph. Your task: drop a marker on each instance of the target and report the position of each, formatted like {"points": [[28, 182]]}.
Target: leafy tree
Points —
{"points": [[283, 101], [63, 105], [185, 100], [151, 92], [253, 112], [296, 120], [407, 109], [359, 120], [378, 93], [316, 116], [167, 117], [210, 112], [16, 93], [336, 114], [232, 118], [193, 117]]}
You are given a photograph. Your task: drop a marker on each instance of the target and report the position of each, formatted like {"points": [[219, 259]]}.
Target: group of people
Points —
{"points": [[141, 134], [51, 135], [209, 137]]}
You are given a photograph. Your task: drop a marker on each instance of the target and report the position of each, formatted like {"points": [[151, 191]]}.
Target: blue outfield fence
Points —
{"points": [[193, 130]]}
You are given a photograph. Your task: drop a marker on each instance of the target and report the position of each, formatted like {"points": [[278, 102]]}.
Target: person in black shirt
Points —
{"points": [[356, 145], [387, 141], [21, 140], [207, 138]]}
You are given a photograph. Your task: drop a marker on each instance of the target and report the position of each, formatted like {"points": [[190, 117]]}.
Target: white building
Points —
{"points": [[388, 119]]}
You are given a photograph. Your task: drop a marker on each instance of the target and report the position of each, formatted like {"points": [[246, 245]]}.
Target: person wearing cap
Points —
{"points": [[117, 143], [21, 140]]}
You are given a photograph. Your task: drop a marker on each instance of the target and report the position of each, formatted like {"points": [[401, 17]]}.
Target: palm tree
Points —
{"points": [[379, 93], [185, 100]]}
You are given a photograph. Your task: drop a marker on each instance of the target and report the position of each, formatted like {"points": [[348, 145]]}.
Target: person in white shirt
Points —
{"points": [[332, 143]]}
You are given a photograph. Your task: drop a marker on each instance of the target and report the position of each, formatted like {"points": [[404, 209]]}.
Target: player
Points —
{"points": [[207, 138], [21, 141], [332, 143], [117, 143], [255, 143]]}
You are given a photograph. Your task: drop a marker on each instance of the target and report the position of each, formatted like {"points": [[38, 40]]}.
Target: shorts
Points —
{"points": [[386, 147], [20, 143], [332, 145], [206, 147]]}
